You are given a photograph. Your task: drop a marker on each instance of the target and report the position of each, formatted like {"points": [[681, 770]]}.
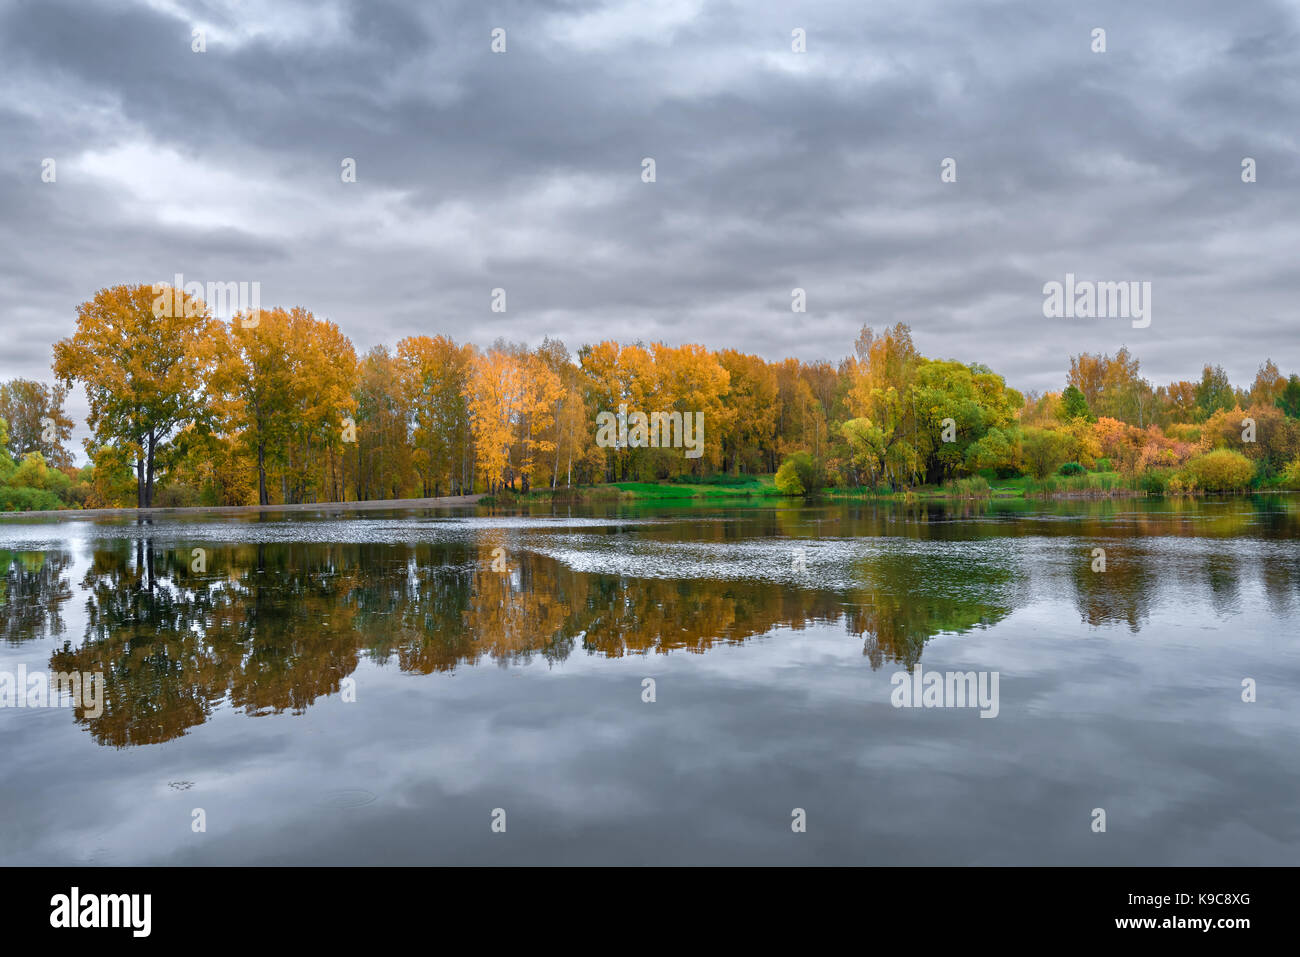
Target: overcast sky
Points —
{"points": [[774, 170]]}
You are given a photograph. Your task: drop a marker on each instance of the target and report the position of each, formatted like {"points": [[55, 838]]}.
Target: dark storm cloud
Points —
{"points": [[775, 170]]}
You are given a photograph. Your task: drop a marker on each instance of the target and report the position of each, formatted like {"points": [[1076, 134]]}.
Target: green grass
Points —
{"points": [[668, 491], [660, 491], [985, 486], [1088, 485], [1009, 487]]}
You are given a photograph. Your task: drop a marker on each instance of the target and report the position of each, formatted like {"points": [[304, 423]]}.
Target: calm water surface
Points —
{"points": [[772, 634]]}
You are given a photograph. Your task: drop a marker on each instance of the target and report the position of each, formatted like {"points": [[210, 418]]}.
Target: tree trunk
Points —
{"points": [[262, 497], [148, 470]]}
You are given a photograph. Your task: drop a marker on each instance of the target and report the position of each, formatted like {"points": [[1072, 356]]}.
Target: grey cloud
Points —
{"points": [[774, 170]]}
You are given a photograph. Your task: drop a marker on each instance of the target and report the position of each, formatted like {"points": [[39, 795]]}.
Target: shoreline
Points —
{"points": [[600, 495], [376, 505]]}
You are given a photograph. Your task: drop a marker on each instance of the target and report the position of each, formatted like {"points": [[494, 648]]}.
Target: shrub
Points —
{"points": [[1223, 470], [1291, 474], [1275, 442], [1155, 481], [1187, 432], [79, 490], [22, 499], [798, 475], [1044, 451], [787, 479], [177, 495], [32, 472], [1103, 465], [974, 487], [1072, 468], [1118, 443]]}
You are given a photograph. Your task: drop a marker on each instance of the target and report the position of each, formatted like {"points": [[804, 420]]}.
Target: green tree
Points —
{"points": [[1074, 405], [1289, 400], [1214, 393], [997, 449], [1045, 450]]}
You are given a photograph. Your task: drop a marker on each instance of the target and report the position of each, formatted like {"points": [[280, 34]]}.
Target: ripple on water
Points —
{"points": [[54, 536]]}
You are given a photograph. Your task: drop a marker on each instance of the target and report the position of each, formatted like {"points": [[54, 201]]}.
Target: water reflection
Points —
{"points": [[272, 626], [33, 586]]}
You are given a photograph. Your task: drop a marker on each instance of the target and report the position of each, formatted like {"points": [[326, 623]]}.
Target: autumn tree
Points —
{"points": [[322, 426], [880, 394], [435, 375], [541, 390], [571, 438], [753, 404], [804, 398], [1261, 433], [288, 379], [1112, 386], [615, 375], [384, 462], [279, 401], [37, 420], [1268, 385], [494, 392], [144, 360], [1045, 450], [691, 380]]}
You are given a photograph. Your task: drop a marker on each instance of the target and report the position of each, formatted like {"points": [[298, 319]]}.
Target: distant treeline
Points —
{"points": [[275, 407]]}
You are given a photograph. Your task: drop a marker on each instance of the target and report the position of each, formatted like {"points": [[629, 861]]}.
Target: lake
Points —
{"points": [[470, 686]]}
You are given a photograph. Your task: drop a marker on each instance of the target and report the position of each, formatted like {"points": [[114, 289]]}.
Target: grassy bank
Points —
{"points": [[1088, 485], [1091, 485], [717, 488]]}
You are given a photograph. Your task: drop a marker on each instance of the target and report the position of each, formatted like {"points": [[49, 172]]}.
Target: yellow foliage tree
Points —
{"points": [[144, 359]]}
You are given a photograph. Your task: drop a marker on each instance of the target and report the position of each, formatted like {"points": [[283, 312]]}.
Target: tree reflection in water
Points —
{"points": [[272, 627]]}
